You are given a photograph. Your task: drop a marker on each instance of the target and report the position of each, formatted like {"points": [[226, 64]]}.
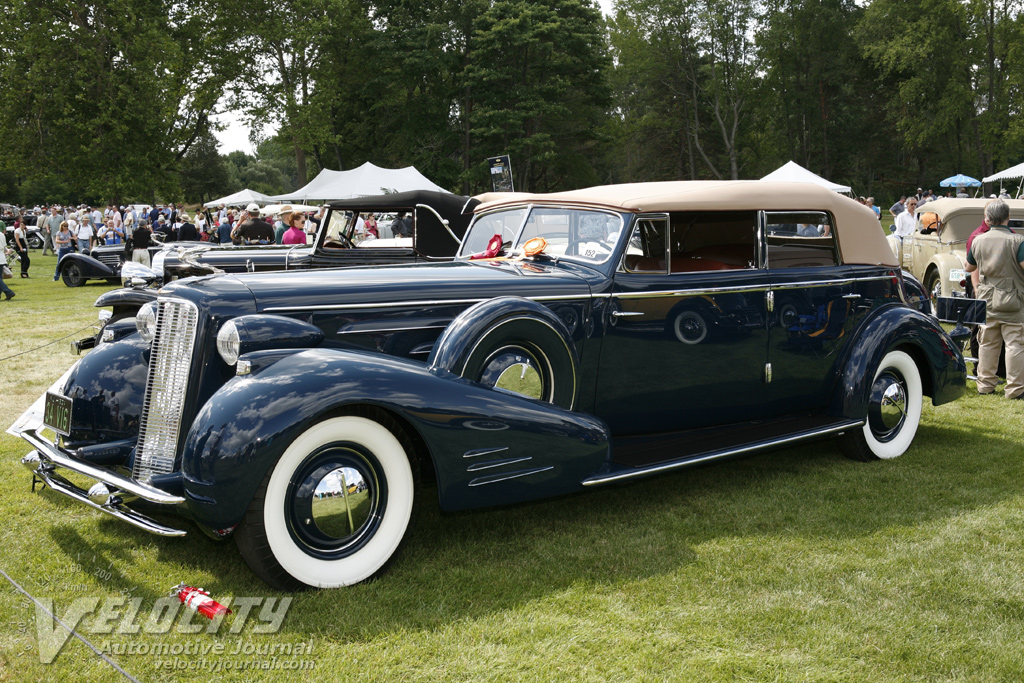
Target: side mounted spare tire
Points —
{"points": [[512, 344]]}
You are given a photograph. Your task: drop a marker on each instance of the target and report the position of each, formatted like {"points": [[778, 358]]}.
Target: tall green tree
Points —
{"points": [[111, 95], [539, 93]]}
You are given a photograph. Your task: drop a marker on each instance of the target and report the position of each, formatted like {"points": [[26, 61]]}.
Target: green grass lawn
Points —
{"points": [[795, 565]]}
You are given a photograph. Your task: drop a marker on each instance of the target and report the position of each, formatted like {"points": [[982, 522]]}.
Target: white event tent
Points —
{"points": [[792, 172], [1012, 173], [240, 198], [364, 181]]}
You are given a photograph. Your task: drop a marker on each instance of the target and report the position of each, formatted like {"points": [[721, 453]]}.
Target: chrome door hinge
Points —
{"points": [[770, 299], [767, 373]]}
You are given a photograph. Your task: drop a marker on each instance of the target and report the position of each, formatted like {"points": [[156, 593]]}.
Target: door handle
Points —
{"points": [[851, 296], [625, 314]]}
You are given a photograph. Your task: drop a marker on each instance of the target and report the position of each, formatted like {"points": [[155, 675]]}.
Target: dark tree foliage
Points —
{"points": [[107, 97], [112, 101]]}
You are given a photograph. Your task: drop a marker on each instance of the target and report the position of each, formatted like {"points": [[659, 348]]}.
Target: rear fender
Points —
{"points": [[943, 370], [488, 447], [944, 263]]}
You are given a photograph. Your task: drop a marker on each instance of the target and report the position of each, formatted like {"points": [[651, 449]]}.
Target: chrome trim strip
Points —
{"points": [[483, 481], [582, 297], [434, 302], [476, 467], [484, 451], [387, 330], [49, 452], [597, 480]]}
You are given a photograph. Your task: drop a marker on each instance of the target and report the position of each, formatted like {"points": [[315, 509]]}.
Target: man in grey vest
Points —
{"points": [[998, 258]]}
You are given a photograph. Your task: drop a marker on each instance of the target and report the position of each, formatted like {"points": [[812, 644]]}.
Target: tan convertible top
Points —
{"points": [[960, 217], [861, 240]]}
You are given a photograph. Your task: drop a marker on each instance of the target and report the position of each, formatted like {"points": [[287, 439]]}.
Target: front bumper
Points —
{"points": [[112, 491]]}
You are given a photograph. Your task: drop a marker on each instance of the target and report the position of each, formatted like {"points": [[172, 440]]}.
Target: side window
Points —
{"points": [[647, 251], [714, 240], [800, 239]]}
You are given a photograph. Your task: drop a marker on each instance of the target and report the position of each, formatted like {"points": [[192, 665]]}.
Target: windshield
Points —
{"points": [[578, 234]]}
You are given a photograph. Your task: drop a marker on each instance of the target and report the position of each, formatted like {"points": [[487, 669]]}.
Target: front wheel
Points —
{"points": [[334, 510], [894, 411], [72, 275]]}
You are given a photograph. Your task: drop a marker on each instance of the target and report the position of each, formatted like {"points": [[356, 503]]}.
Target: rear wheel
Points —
{"points": [[334, 510], [690, 327], [894, 411]]}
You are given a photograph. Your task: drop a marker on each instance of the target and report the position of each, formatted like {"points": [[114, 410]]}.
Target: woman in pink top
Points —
{"points": [[294, 234]]}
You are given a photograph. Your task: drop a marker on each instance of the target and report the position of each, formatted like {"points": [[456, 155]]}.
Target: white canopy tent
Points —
{"points": [[240, 198], [792, 172], [364, 181], [1012, 173]]}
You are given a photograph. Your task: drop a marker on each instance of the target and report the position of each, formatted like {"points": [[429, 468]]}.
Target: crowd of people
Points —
{"points": [[65, 229]]}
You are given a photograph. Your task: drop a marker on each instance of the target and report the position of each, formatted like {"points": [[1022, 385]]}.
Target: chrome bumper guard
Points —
{"points": [[108, 495]]}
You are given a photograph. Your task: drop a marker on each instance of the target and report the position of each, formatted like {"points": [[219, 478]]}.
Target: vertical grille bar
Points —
{"points": [[169, 363]]}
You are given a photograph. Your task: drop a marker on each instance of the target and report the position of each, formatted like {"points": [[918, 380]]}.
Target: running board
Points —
{"points": [[626, 473]]}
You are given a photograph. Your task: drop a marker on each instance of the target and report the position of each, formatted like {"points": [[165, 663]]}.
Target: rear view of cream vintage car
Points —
{"points": [[937, 251]]}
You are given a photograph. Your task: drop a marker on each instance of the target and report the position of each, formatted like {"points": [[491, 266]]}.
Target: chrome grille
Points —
{"points": [[110, 258], [169, 363]]}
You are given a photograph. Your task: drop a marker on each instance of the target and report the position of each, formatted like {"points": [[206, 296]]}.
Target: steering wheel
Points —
{"points": [[342, 241]]}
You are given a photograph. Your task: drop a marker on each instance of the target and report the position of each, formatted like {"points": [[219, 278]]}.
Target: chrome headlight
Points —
{"points": [[145, 321], [229, 343], [248, 333]]}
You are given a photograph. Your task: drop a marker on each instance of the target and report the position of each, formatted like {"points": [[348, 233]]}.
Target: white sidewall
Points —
{"points": [[378, 550], [690, 315], [906, 366]]}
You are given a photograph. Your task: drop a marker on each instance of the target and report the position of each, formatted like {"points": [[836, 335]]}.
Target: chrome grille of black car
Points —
{"points": [[169, 364], [109, 258]]}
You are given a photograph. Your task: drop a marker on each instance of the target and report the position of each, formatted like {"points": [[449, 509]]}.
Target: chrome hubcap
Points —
{"points": [[339, 507], [888, 409], [335, 501]]}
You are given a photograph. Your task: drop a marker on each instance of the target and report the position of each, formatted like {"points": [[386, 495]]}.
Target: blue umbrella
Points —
{"points": [[960, 180]]}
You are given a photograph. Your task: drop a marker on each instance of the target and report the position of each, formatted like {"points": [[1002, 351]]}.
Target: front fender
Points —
{"points": [[127, 298], [943, 370], [107, 390], [91, 268], [488, 447]]}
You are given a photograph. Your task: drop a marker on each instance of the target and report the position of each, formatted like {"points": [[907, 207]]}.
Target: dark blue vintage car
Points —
{"points": [[580, 339]]}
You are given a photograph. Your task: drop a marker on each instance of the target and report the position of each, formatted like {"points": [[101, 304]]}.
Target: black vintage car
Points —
{"points": [[439, 225], [439, 222], [580, 339]]}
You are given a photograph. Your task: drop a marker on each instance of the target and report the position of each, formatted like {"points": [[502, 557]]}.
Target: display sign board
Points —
{"points": [[501, 173]]}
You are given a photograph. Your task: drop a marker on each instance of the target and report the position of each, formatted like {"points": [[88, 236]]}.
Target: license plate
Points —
{"points": [[57, 413], [956, 275]]}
